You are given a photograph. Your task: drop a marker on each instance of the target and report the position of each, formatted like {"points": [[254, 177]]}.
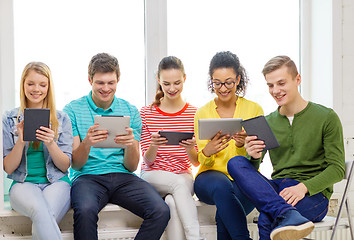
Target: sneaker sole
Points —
{"points": [[292, 232]]}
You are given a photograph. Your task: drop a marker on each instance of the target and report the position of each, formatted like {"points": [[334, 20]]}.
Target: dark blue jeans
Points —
{"points": [[264, 194], [91, 193], [232, 207]]}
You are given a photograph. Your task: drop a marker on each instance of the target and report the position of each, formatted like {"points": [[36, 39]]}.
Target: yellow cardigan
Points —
{"points": [[245, 109]]}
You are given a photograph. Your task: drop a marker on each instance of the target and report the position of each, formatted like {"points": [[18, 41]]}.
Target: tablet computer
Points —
{"points": [[174, 138], [208, 128], [259, 127], [115, 125], [34, 118]]}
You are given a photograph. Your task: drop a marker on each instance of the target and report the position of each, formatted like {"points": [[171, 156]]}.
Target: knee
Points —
{"points": [[170, 201], [85, 209], [161, 212], [235, 165], [182, 186], [181, 182], [36, 210], [172, 206]]}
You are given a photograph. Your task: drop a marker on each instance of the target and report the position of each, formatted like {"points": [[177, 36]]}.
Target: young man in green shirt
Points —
{"points": [[308, 162]]}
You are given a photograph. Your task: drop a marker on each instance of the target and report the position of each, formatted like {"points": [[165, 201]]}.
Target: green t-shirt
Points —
{"points": [[311, 148], [36, 167]]}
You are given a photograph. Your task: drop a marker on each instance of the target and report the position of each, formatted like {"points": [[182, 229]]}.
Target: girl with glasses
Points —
{"points": [[213, 185], [41, 188], [168, 168]]}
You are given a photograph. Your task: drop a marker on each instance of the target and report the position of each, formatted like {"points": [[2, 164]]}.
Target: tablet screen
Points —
{"points": [[174, 138], [115, 125], [33, 119], [259, 127], [208, 128]]}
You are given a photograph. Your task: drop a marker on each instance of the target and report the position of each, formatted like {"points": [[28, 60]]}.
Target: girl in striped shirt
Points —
{"points": [[167, 167]]}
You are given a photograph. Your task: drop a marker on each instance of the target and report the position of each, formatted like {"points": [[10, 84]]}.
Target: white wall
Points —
{"points": [[328, 72], [321, 54], [7, 86], [348, 67], [348, 78], [7, 73]]}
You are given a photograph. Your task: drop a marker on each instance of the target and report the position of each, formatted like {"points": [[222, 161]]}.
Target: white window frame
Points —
{"points": [[156, 48]]}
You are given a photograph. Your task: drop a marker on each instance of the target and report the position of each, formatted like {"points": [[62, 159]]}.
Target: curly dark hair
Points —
{"points": [[228, 59]]}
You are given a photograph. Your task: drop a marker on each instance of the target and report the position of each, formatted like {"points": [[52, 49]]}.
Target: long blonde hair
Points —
{"points": [[49, 100]]}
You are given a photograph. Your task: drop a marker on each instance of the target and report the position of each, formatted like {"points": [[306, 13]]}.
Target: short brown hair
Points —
{"points": [[103, 63], [279, 61]]}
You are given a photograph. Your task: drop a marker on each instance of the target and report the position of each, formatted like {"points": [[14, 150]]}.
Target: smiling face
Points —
{"points": [[171, 81], [282, 86], [104, 86], [36, 89], [225, 77]]}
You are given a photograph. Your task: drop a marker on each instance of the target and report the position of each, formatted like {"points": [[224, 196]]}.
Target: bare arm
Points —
{"points": [[81, 150], [13, 159], [192, 154], [156, 141], [131, 152]]}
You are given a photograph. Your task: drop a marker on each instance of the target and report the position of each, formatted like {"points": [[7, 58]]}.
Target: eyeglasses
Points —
{"points": [[228, 85]]}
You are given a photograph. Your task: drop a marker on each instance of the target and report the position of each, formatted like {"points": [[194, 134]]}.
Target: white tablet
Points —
{"points": [[115, 125], [208, 128]]}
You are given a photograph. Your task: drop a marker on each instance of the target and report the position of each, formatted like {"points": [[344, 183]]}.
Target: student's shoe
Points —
{"points": [[291, 226]]}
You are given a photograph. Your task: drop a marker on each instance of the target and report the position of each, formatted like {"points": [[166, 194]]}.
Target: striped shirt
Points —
{"points": [[100, 160], [169, 158]]}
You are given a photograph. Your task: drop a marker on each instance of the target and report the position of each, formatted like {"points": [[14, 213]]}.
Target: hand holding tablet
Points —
{"points": [[34, 118], [115, 125], [174, 138], [259, 127]]}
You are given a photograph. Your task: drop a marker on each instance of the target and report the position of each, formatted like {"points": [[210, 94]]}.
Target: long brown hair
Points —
{"points": [[49, 100], [170, 62]]}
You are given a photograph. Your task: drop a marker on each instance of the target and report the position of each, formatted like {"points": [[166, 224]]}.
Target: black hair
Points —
{"points": [[228, 59]]}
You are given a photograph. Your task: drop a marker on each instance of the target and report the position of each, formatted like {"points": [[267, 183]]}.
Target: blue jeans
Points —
{"points": [[91, 193], [215, 188], [45, 203], [264, 194]]}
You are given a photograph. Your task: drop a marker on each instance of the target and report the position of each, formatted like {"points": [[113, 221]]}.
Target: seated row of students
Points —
{"points": [[308, 162]]}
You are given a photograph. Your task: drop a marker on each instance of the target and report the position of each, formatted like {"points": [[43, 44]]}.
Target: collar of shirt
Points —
{"points": [[99, 110]]}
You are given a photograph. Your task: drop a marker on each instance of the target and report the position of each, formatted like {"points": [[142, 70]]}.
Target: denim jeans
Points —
{"points": [[264, 194], [215, 188], [90, 193], [182, 205], [44, 203]]}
